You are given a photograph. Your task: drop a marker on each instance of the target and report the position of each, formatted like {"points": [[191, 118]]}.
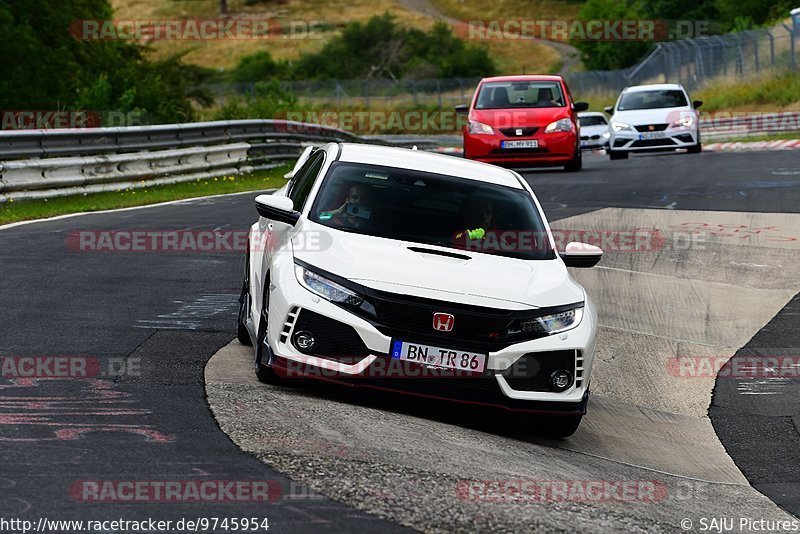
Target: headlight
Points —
{"points": [[326, 288], [605, 135], [561, 125], [548, 324], [478, 128], [619, 126], [686, 122]]}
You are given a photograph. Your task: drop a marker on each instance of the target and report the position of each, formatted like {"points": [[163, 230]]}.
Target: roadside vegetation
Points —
{"points": [[769, 93], [36, 209]]}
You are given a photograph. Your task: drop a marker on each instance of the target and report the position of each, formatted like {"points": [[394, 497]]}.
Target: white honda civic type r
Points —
{"points": [[421, 274]]}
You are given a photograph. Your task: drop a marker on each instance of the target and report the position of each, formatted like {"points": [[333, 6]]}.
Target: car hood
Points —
{"points": [[518, 117], [483, 280], [652, 116]]}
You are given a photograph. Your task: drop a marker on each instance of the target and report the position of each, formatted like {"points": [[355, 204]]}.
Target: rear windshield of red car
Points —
{"points": [[505, 95]]}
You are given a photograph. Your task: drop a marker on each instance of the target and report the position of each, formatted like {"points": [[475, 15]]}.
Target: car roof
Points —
{"points": [[418, 160], [652, 87], [524, 78]]}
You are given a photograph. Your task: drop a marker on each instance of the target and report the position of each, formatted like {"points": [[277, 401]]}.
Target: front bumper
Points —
{"points": [[669, 139], [556, 148], [366, 361]]}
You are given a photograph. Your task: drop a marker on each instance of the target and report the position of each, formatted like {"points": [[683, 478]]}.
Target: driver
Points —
{"points": [[354, 212]]}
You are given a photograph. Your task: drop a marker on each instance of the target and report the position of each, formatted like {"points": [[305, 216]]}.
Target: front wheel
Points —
{"points": [[242, 333], [617, 154], [556, 426], [695, 149], [264, 371]]}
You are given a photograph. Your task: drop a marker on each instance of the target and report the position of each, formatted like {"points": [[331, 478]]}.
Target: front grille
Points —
{"points": [[651, 127], [525, 132], [411, 319], [335, 340], [532, 371], [653, 142], [519, 151], [475, 328]]}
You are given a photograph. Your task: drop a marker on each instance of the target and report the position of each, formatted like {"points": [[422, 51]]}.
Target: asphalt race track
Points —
{"points": [[722, 283]]}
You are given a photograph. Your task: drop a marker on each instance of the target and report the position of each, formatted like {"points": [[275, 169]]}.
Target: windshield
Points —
{"points": [[501, 95], [665, 98], [433, 209], [593, 120]]}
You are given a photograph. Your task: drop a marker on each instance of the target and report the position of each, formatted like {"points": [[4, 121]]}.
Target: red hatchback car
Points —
{"points": [[523, 121]]}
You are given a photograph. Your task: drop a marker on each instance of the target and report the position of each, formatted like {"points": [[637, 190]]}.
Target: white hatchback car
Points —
{"points": [[654, 118], [419, 273], [594, 130]]}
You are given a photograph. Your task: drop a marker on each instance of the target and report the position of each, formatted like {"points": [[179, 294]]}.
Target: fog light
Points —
{"points": [[304, 341], [561, 380]]}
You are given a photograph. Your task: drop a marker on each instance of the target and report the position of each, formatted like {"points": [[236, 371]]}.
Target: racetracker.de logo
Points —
{"points": [[189, 241], [778, 367], [524, 491], [642, 30], [194, 29], [180, 491]]}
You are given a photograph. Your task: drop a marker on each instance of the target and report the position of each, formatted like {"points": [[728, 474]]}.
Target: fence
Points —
{"points": [[690, 62], [372, 93], [51, 163]]}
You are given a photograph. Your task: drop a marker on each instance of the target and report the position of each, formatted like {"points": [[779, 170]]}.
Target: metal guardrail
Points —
{"points": [[49, 163]]}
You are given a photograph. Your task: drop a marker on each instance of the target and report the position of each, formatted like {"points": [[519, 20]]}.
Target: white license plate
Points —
{"points": [[528, 143], [438, 356], [652, 135]]}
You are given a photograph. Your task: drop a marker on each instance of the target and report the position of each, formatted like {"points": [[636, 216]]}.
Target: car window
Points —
{"points": [[593, 120], [434, 209], [663, 98], [504, 95], [304, 180]]}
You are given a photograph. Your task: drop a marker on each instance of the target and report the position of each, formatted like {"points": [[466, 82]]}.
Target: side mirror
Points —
{"points": [[277, 208], [697, 103], [608, 109], [462, 108], [300, 162], [580, 106], [581, 255]]}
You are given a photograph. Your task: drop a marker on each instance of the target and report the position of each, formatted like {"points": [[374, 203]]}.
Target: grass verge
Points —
{"points": [[37, 209]]}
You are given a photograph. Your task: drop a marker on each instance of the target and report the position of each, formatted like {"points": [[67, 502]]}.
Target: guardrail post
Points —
{"points": [[791, 45], [771, 47]]}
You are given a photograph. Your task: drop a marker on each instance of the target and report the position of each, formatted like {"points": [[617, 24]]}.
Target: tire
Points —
{"points": [[695, 149], [577, 162], [264, 372], [242, 333], [556, 426], [617, 154]]}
